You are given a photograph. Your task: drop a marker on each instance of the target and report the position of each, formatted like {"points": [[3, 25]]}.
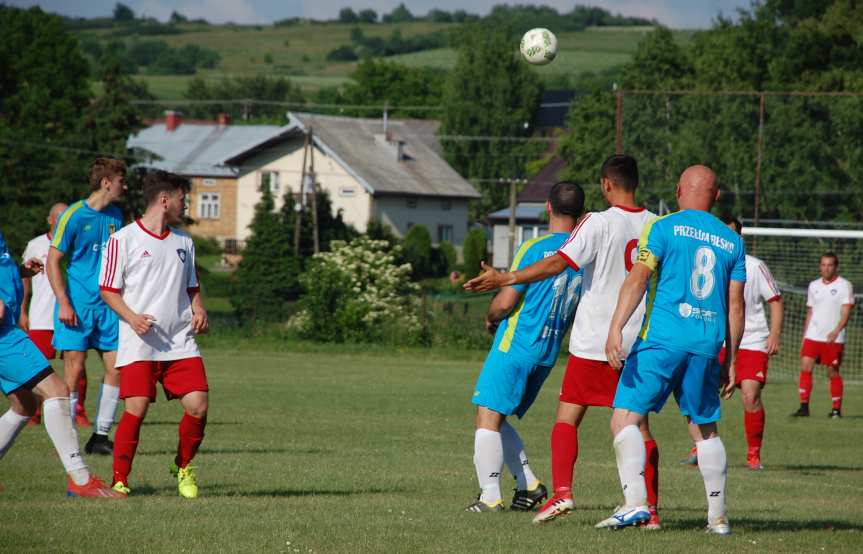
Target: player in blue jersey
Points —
{"points": [[82, 320], [25, 371], [529, 322], [696, 269]]}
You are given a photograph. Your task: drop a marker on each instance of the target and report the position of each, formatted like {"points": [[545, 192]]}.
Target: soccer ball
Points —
{"points": [[539, 46]]}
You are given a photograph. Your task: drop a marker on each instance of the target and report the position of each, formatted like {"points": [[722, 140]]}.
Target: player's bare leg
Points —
{"points": [[836, 390], [631, 456], [713, 465], [55, 413], [564, 453], [807, 364], [73, 367], [191, 434], [753, 421], [126, 441]]}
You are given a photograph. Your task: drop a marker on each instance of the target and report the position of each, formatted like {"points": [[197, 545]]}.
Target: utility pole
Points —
{"points": [[314, 190], [618, 121], [298, 206], [512, 195]]}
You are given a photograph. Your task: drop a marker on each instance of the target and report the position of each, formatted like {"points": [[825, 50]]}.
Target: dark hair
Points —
{"points": [[622, 170], [830, 255], [103, 168], [566, 199], [157, 181], [730, 219]]}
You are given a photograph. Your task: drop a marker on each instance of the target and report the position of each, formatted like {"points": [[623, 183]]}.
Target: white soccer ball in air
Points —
{"points": [[539, 46]]}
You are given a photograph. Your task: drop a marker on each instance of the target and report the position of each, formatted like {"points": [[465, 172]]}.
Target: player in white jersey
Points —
{"points": [[828, 306], [148, 277], [605, 245], [760, 341], [37, 309]]}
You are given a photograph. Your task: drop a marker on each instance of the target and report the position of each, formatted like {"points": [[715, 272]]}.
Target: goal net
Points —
{"points": [[792, 256]]}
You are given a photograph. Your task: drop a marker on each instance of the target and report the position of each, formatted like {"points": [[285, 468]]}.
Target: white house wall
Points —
{"points": [[431, 212]]}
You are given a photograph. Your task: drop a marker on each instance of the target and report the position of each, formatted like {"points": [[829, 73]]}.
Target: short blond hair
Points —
{"points": [[103, 168]]}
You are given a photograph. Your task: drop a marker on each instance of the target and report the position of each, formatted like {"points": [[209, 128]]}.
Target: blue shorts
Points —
{"points": [[508, 385], [653, 372], [97, 328], [21, 363]]}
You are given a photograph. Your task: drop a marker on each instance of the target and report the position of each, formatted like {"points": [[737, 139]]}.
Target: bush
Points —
{"points": [[342, 54], [357, 293], [147, 51], [474, 252], [417, 250], [444, 258], [206, 246]]}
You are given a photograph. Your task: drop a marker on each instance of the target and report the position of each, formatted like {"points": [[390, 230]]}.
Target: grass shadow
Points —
{"points": [[298, 493], [241, 451], [815, 467], [769, 525], [177, 422]]}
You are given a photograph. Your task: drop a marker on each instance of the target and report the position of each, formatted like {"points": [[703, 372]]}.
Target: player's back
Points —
{"points": [[605, 246], [11, 288], [694, 256], [760, 287], [535, 328]]}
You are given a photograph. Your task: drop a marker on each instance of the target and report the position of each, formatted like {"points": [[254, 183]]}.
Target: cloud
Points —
{"points": [[214, 11]]}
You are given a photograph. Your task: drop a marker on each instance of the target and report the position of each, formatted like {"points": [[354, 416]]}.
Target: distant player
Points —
{"points": [[697, 269], [23, 371], [531, 321], [148, 278], [37, 308], [828, 306], [81, 319], [604, 246]]}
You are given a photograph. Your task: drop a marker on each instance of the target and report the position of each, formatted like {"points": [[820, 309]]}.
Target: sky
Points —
{"points": [[691, 14]]}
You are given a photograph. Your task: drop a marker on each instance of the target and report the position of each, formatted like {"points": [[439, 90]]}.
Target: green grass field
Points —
{"points": [[352, 449]]}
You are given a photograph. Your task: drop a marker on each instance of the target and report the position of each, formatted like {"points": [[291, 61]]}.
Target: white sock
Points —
{"points": [[109, 397], [631, 456], [65, 439], [516, 458], [488, 459], [73, 401], [713, 465], [10, 425]]}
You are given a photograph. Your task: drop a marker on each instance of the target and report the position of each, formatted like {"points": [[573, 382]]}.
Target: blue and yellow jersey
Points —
{"points": [[81, 234], [11, 288], [693, 256], [539, 321]]}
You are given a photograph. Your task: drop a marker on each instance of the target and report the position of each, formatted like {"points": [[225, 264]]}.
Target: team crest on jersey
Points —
{"points": [[834, 292], [182, 254]]}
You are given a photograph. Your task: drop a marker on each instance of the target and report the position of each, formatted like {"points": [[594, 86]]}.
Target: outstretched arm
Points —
{"points": [[631, 293], [493, 279]]}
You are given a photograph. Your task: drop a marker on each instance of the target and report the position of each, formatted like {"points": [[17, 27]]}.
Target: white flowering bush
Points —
{"points": [[357, 293]]}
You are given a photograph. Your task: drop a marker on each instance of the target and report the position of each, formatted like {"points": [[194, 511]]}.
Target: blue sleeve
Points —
{"points": [[651, 244], [66, 231], [524, 257], [11, 291], [738, 272]]}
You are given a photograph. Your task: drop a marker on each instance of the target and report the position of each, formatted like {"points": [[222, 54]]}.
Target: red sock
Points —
{"points": [[125, 445], [753, 423], [651, 472], [82, 394], [191, 435], [805, 386], [564, 453], [836, 387]]}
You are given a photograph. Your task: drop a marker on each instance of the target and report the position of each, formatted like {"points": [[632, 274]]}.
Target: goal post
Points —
{"points": [[792, 255]]}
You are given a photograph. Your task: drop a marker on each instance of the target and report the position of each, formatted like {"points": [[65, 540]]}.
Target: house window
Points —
{"points": [[446, 205], [527, 233], [209, 182], [347, 192], [444, 233], [209, 205], [412, 203], [271, 179]]}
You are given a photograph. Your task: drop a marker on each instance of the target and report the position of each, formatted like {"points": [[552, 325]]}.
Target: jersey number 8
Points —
{"points": [[702, 281]]}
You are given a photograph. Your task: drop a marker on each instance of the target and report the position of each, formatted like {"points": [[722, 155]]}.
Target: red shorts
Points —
{"points": [[589, 382], [750, 365], [42, 339], [178, 378], [825, 353]]}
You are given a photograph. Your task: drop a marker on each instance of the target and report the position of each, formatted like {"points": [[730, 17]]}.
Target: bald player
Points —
{"points": [[696, 268]]}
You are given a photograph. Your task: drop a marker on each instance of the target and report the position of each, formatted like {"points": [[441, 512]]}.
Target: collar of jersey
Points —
{"points": [[163, 236], [628, 209]]}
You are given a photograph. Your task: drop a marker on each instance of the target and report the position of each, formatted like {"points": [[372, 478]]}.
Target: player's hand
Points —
{"points": [[831, 336], [34, 266], [490, 279], [2, 310], [727, 377], [614, 349], [141, 323], [772, 345], [491, 326], [200, 322], [66, 314], [23, 321]]}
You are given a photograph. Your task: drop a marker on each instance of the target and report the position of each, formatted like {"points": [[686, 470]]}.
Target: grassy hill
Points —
{"points": [[299, 51]]}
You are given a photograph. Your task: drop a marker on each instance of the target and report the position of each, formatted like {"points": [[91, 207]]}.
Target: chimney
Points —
{"points": [[173, 120], [223, 119]]}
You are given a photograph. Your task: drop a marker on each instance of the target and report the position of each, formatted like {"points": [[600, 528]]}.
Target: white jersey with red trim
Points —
{"points": [[760, 288], [41, 311], [154, 274], [605, 245], [826, 301]]}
